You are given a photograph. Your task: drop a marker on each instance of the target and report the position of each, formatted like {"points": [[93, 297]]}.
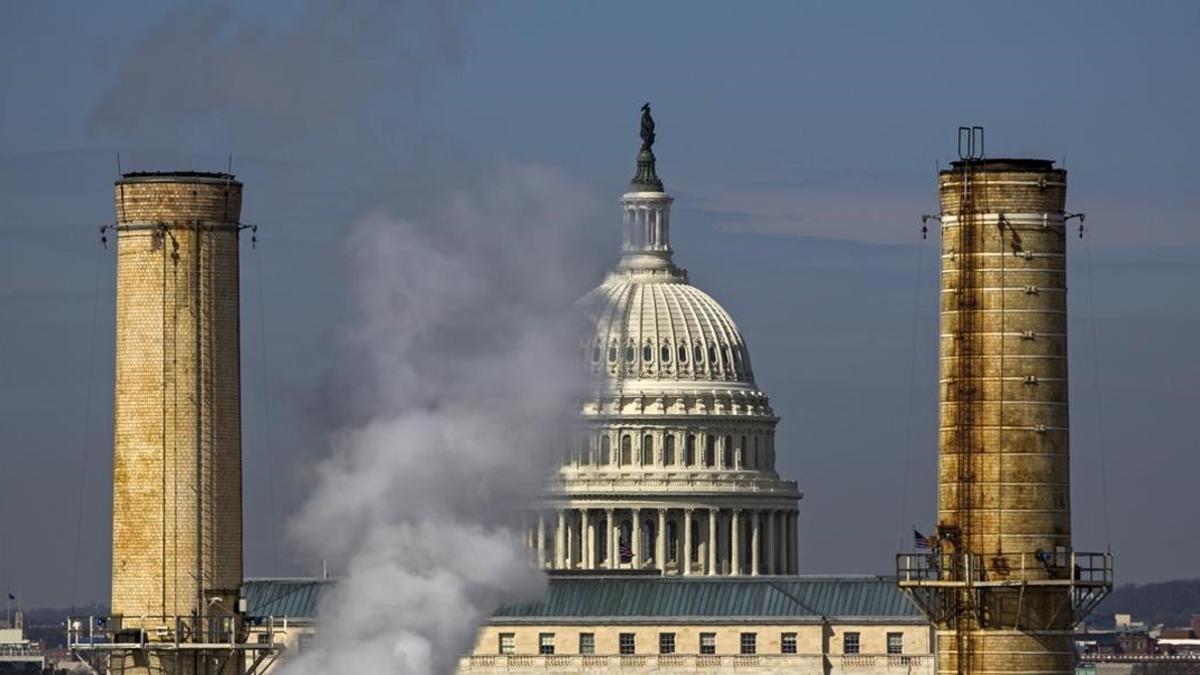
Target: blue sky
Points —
{"points": [[799, 139]]}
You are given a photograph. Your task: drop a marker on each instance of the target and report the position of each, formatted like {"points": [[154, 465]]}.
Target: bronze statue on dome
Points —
{"points": [[647, 127]]}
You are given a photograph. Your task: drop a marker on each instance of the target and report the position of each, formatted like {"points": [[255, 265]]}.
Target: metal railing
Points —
{"points": [[95, 639], [1068, 568]]}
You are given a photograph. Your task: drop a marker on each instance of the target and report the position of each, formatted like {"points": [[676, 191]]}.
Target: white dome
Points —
{"points": [[655, 326]]}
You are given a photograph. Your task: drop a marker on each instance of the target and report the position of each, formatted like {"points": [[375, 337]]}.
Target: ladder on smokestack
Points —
{"points": [[967, 388]]}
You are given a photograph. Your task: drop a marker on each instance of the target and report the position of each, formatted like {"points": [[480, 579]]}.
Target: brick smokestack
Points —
{"points": [[177, 474]]}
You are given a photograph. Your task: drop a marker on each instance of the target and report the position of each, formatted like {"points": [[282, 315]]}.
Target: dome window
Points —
{"points": [[710, 451], [712, 356], [698, 353], [689, 452], [626, 450], [612, 354], [647, 450], [683, 350], [647, 353], [725, 356], [630, 354], [669, 450], [741, 453], [605, 451], [727, 453], [596, 353], [664, 354]]}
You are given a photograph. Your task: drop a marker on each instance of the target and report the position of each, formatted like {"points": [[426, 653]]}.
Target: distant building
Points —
{"points": [[18, 654]]}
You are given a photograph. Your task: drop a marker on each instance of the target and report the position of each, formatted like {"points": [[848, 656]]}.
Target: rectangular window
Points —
{"points": [[305, 642], [749, 643], [587, 643], [895, 643], [708, 643], [546, 644], [850, 643], [666, 643], [787, 643], [626, 644], [508, 643]]}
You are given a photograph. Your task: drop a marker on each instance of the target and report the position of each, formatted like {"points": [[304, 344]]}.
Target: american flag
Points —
{"points": [[921, 541], [624, 550]]}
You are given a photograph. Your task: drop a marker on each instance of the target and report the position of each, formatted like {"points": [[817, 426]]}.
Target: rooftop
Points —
{"points": [[631, 598]]}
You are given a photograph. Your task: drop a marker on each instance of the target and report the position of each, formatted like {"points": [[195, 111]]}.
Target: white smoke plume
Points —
{"points": [[460, 367]]}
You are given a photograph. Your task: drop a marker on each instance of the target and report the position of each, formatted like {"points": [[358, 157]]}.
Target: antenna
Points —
{"points": [[119, 173]]}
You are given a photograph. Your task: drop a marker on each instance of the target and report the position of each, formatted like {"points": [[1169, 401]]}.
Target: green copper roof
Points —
{"points": [[291, 598], [742, 598], [649, 597]]}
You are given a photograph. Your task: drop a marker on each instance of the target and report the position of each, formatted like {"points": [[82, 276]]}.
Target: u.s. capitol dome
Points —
{"points": [[675, 449]]}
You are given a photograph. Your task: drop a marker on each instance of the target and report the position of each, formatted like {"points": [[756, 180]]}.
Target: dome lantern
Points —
{"points": [[645, 241]]}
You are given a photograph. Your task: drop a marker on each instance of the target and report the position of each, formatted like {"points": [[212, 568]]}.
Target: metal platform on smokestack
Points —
{"points": [[935, 580], [226, 643]]}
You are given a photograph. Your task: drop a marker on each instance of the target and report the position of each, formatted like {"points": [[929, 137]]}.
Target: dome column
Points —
{"points": [[755, 541], [735, 558], [585, 541], [609, 540], [637, 538], [771, 542], [712, 542], [560, 541], [792, 554], [660, 550]]}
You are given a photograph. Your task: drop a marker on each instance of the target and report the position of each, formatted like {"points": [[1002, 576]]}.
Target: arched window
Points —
{"points": [[596, 353], [689, 451], [710, 451], [605, 450], [698, 353], [630, 353], [727, 453], [683, 353], [664, 354], [612, 354], [647, 450], [626, 450], [585, 452], [742, 453], [669, 450], [725, 356], [712, 356], [647, 353]]}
